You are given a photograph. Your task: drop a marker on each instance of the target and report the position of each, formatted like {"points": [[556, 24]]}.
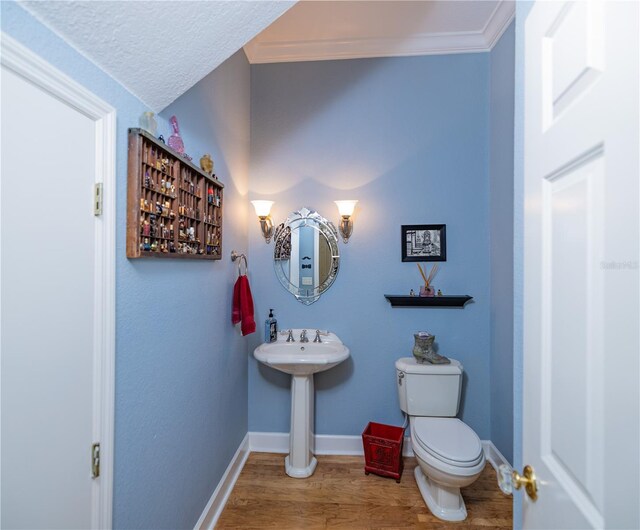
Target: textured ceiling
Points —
{"points": [[343, 29], [157, 49]]}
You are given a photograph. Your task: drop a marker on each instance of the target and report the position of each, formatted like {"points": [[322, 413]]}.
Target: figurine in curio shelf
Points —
{"points": [[206, 163], [175, 140], [148, 123]]}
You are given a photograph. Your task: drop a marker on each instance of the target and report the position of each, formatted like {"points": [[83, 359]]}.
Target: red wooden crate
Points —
{"points": [[383, 450]]}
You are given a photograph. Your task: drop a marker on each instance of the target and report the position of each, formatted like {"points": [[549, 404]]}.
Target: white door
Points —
{"points": [[581, 292], [52, 323]]}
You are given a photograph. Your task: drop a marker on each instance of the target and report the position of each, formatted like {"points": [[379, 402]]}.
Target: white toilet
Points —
{"points": [[448, 451]]}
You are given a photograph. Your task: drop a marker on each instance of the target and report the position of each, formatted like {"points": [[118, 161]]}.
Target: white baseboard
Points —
{"points": [[324, 444], [214, 507], [493, 456], [278, 442], [269, 442], [337, 444]]}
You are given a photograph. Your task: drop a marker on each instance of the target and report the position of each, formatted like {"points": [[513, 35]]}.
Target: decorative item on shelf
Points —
{"points": [[161, 139], [423, 349], [439, 293], [189, 158], [206, 163], [263, 211], [412, 292], [175, 140], [148, 123], [427, 289], [424, 242], [345, 226]]}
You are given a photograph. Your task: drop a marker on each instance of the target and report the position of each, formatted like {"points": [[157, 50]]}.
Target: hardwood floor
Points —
{"points": [[340, 495]]}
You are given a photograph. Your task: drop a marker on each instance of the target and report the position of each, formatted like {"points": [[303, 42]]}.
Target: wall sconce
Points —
{"points": [[346, 224], [263, 209]]}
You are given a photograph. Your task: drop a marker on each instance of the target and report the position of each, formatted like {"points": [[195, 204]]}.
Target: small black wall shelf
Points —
{"points": [[428, 301]]}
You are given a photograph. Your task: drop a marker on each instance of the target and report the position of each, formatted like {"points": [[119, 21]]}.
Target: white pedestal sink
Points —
{"points": [[302, 360]]}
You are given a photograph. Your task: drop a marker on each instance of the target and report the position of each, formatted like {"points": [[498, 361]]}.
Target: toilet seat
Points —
{"points": [[447, 440]]}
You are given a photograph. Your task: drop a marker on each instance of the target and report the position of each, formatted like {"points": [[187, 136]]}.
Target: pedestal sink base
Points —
{"points": [[301, 463], [300, 472]]}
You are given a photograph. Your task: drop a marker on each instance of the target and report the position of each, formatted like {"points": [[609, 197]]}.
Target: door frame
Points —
{"points": [[35, 70]]}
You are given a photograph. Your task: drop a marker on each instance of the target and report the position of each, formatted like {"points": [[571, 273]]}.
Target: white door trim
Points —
{"points": [[32, 68]]}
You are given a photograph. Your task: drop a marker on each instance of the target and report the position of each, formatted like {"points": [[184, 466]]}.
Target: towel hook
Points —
{"points": [[235, 256]]}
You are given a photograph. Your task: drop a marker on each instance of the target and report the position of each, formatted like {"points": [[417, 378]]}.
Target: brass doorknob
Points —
{"points": [[509, 479], [528, 480]]}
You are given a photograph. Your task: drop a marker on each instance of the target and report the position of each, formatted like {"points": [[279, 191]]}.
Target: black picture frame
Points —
{"points": [[414, 247]]}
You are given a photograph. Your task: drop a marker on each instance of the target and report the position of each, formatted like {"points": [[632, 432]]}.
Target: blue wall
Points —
{"points": [[180, 366], [409, 138], [501, 225], [189, 362]]}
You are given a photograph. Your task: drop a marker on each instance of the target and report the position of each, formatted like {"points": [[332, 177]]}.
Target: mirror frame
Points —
{"points": [[311, 218]]}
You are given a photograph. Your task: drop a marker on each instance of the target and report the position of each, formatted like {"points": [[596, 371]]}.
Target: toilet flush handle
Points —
{"points": [[400, 378]]}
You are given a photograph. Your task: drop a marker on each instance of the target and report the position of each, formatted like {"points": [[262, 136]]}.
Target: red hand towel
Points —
{"points": [[242, 310], [236, 314]]}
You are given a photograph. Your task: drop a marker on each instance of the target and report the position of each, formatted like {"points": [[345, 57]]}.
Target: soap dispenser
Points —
{"points": [[271, 328]]}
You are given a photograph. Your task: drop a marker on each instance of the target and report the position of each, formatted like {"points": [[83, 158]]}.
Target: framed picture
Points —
{"points": [[424, 243]]}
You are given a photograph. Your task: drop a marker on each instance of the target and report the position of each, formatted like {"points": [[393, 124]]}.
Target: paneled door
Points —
{"points": [[581, 292], [56, 293]]}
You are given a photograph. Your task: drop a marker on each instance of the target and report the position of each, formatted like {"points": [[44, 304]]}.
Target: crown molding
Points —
{"points": [[498, 22], [360, 48]]}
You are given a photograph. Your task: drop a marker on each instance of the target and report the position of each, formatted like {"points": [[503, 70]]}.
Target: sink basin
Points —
{"points": [[302, 360], [297, 358]]}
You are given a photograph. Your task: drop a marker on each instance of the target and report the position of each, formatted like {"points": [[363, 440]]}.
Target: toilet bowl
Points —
{"points": [[449, 452], [450, 457]]}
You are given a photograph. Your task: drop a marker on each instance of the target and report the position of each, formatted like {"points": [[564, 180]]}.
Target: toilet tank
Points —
{"points": [[429, 389]]}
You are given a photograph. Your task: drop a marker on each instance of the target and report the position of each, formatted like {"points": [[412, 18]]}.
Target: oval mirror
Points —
{"points": [[306, 257]]}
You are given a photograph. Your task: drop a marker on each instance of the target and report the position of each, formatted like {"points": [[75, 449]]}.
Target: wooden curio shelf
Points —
{"points": [[428, 301], [174, 209]]}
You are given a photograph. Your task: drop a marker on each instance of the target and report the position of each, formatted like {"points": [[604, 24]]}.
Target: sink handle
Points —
{"points": [[317, 339]]}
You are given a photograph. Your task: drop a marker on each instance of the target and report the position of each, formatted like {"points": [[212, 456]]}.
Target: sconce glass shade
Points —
{"points": [[345, 226], [346, 207], [263, 208]]}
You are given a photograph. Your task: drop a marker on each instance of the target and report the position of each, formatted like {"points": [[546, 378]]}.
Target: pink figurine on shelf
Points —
{"points": [[175, 140]]}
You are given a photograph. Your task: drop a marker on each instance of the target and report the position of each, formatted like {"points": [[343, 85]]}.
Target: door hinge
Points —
{"points": [[95, 460], [97, 198]]}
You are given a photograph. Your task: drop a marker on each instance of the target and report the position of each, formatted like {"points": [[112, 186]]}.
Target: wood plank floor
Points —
{"points": [[340, 495]]}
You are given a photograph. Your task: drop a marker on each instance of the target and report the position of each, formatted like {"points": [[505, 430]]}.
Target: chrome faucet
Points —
{"points": [[290, 336], [317, 339], [303, 336]]}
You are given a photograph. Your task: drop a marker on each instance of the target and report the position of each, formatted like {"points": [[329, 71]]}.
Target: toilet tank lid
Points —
{"points": [[411, 366]]}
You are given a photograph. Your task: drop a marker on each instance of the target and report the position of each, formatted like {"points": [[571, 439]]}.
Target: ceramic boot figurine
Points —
{"points": [[423, 349]]}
